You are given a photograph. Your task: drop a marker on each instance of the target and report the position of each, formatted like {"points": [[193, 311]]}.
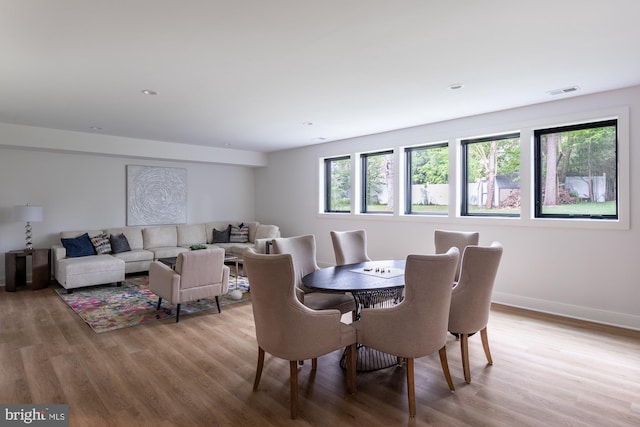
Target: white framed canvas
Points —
{"points": [[156, 195]]}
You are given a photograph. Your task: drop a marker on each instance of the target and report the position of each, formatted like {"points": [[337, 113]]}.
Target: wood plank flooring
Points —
{"points": [[548, 371]]}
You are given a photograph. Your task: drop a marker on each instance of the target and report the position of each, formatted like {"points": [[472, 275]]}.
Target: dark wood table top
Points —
{"points": [[357, 277]]}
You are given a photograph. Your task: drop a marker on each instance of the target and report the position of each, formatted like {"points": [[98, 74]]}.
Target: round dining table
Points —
{"points": [[373, 284]]}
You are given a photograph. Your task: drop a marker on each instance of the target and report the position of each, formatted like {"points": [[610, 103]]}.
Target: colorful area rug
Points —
{"points": [[109, 307]]}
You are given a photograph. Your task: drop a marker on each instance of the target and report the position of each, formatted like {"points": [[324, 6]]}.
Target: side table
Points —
{"points": [[15, 269]]}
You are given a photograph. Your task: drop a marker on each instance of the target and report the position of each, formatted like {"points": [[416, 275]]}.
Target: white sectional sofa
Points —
{"points": [[147, 244]]}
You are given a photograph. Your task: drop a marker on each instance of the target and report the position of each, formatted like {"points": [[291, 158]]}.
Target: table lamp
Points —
{"points": [[29, 214]]}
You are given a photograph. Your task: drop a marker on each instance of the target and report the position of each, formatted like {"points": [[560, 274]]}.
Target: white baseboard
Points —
{"points": [[611, 318]]}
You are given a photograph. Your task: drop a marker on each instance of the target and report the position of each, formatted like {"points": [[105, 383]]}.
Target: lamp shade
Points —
{"points": [[27, 213]]}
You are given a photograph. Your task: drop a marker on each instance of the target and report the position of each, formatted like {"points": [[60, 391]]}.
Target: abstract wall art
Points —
{"points": [[156, 195]]}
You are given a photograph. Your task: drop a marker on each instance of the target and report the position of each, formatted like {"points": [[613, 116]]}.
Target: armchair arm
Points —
{"points": [[164, 282], [316, 332], [225, 279], [261, 245], [380, 328]]}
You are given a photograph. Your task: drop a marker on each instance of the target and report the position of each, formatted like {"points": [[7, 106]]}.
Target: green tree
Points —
{"points": [[487, 159], [430, 165], [340, 185], [379, 178]]}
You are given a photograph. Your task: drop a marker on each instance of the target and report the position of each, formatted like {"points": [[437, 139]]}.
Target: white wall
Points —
{"points": [[589, 273], [579, 271], [84, 191]]}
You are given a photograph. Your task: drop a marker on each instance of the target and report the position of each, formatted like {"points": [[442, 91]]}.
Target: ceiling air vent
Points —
{"points": [[564, 90]]}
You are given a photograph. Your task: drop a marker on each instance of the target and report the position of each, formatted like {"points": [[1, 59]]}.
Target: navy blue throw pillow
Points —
{"points": [[78, 246]]}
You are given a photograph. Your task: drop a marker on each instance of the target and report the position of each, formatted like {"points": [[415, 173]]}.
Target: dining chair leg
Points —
{"points": [[485, 345], [218, 304], [159, 302], [256, 381], [352, 355], [411, 390], [178, 313], [293, 369], [314, 363], [445, 368], [464, 350]]}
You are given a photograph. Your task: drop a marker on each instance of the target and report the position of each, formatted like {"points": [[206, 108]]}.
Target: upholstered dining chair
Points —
{"points": [[471, 299], [303, 252], [350, 246], [197, 275], [444, 239], [417, 326], [286, 328]]}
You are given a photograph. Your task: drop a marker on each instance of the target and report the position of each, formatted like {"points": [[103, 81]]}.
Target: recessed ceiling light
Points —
{"points": [[95, 128], [319, 139], [149, 92], [564, 90], [456, 86], [307, 123]]}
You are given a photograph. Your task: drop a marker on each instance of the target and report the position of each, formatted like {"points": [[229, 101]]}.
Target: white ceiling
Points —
{"points": [[247, 74]]}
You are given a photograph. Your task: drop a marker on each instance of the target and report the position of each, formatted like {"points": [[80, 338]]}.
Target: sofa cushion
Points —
{"points": [[77, 247], [101, 244], [167, 251], [253, 226], [119, 243], [72, 234], [89, 271], [267, 232], [160, 237], [233, 248], [133, 235], [239, 234], [193, 234], [135, 255], [221, 236]]}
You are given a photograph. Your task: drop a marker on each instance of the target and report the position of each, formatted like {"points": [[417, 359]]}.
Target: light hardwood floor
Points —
{"points": [[547, 371]]}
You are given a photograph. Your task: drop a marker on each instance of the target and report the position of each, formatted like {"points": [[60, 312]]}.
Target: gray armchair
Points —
{"points": [[197, 275], [471, 298], [286, 328], [418, 325], [445, 239], [303, 254], [350, 247]]}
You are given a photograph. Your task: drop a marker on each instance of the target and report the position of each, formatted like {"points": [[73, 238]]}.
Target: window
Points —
{"points": [[377, 182], [491, 176], [576, 171], [427, 182], [337, 178]]}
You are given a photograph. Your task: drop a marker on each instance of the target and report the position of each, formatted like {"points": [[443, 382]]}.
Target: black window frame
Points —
{"points": [[408, 202], [328, 181], [363, 184], [537, 167], [464, 190]]}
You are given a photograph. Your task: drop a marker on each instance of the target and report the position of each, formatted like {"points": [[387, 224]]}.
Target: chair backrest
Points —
{"points": [[350, 247], [201, 267], [471, 297], [427, 286], [418, 325], [303, 252], [445, 239], [285, 327]]}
